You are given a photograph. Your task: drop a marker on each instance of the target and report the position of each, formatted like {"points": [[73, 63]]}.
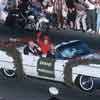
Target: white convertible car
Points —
{"points": [[85, 75]]}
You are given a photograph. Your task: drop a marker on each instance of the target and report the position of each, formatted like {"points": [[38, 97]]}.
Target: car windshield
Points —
{"points": [[73, 50]]}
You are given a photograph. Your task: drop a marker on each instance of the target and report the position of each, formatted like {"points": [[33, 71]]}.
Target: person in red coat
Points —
{"points": [[43, 43]]}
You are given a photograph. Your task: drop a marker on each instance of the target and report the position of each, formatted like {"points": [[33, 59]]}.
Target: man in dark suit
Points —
{"points": [[32, 48], [51, 52]]}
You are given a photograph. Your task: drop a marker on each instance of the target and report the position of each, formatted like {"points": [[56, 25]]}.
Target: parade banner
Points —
{"points": [[45, 67]]}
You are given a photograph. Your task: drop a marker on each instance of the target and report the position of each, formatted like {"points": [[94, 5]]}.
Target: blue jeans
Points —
{"points": [[51, 18], [98, 20], [36, 11]]}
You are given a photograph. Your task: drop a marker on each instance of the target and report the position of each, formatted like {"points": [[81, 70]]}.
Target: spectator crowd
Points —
{"points": [[80, 15]]}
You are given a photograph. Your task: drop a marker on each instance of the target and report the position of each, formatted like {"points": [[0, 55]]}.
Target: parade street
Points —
{"points": [[35, 89]]}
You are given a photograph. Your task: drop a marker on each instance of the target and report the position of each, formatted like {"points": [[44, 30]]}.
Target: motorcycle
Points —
{"points": [[37, 23], [27, 20]]}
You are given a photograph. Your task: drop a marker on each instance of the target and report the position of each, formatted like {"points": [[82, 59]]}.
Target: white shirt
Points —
{"points": [[50, 10], [91, 6]]}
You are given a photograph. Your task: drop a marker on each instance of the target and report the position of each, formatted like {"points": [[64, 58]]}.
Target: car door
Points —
{"points": [[45, 68]]}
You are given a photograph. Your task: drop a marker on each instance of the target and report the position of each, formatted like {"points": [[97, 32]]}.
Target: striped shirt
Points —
{"points": [[59, 5]]}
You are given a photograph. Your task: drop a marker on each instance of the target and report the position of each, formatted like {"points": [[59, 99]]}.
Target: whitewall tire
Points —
{"points": [[86, 83], [9, 73]]}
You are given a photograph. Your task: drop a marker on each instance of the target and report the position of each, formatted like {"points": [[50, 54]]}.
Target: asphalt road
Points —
{"points": [[35, 89]]}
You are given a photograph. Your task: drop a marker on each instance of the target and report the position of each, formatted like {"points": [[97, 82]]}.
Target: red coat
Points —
{"points": [[44, 47]]}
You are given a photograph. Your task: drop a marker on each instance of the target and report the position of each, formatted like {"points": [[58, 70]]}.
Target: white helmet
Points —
{"points": [[45, 2]]}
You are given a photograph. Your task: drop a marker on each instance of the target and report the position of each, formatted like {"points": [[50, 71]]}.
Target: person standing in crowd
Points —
{"points": [[59, 5], [3, 4], [17, 3], [65, 16], [22, 5], [71, 14], [91, 15], [71, 17], [80, 15], [98, 16], [36, 7], [48, 9]]}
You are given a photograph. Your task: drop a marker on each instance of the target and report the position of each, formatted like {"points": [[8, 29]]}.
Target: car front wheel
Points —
{"points": [[86, 83], [9, 73]]}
